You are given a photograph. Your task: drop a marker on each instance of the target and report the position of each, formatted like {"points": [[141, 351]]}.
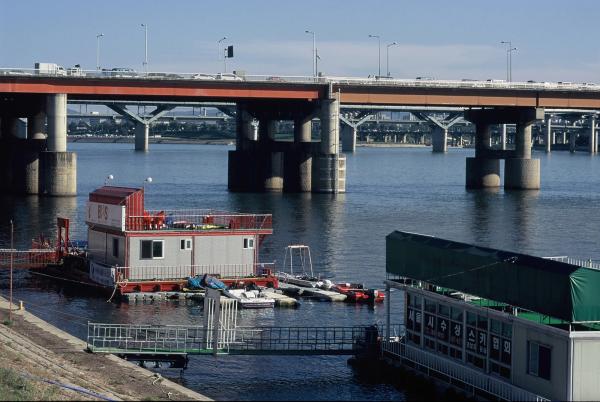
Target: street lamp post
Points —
{"points": [[387, 56], [145, 26], [98, 50], [219, 50], [509, 50], [315, 72], [379, 52]]}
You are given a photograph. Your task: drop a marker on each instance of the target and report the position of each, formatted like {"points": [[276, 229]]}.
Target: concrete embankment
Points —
{"points": [[46, 354]]}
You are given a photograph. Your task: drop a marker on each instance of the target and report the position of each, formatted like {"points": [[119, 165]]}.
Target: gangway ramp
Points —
{"points": [[156, 340]]}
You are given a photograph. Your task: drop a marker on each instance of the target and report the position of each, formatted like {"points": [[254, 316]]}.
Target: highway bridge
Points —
{"points": [[41, 164]]}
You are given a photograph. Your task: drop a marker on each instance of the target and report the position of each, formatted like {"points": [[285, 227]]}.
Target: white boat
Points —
{"points": [[251, 298], [304, 275]]}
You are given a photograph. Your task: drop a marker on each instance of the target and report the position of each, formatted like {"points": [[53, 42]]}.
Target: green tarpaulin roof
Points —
{"points": [[557, 289]]}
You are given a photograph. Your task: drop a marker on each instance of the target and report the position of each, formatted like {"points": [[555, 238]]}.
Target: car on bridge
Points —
{"points": [[228, 77], [201, 76]]}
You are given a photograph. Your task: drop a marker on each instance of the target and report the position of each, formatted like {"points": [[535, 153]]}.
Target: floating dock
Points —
{"points": [[319, 294], [281, 300]]}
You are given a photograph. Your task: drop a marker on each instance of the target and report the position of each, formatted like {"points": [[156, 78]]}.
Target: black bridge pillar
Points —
{"points": [[521, 172]]}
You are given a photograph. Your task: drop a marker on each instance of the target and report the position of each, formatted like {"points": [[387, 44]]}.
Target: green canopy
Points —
{"points": [[556, 289]]}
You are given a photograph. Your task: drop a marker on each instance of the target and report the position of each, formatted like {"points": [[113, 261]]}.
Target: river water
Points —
{"points": [[388, 189]]}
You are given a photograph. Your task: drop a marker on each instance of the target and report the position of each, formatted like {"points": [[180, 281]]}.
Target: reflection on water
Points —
{"points": [[388, 189]]}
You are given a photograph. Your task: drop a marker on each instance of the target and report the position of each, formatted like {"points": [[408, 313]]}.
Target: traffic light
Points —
{"points": [[229, 51]]}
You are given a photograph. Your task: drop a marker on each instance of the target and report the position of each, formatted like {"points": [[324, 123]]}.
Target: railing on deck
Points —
{"points": [[198, 220], [457, 371], [575, 261], [148, 273], [179, 339], [33, 258]]}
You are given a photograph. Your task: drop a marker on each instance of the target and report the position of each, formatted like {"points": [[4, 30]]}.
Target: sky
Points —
{"points": [[458, 39]]}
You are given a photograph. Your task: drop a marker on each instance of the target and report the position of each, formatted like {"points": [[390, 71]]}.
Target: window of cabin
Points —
{"points": [[249, 243], [539, 360], [152, 249], [186, 244]]}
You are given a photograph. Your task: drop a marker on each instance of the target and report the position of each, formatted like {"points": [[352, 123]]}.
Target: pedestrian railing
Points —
{"points": [[177, 339], [457, 372], [34, 258], [575, 261]]}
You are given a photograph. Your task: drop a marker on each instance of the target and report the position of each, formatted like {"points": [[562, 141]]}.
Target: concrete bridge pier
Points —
{"points": [[328, 166], [522, 172], [58, 168], [439, 129], [593, 144], [549, 140], [439, 139], [243, 169], [142, 133], [271, 161], [503, 137], [482, 172], [299, 161], [349, 138], [572, 141]]}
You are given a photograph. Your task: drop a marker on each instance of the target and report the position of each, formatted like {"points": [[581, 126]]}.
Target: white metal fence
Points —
{"points": [[460, 372], [147, 273], [575, 261]]}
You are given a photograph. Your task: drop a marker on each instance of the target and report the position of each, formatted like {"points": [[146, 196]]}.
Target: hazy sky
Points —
{"points": [[556, 40]]}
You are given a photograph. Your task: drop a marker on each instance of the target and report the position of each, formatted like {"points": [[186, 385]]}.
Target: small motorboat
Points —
{"points": [[251, 298], [304, 275], [357, 293]]}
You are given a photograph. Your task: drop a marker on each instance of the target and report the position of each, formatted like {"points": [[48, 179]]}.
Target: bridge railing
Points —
{"points": [[457, 371], [424, 82]]}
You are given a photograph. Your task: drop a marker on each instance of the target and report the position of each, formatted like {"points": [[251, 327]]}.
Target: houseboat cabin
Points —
{"points": [[499, 324], [140, 250]]}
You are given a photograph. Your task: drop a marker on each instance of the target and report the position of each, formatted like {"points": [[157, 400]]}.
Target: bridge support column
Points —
{"points": [[349, 138], [57, 167], [299, 162], [522, 172], [271, 162], [482, 172], [593, 144], [549, 139], [572, 139], [439, 139], [142, 133], [503, 139], [56, 110], [329, 167], [36, 125], [243, 169]]}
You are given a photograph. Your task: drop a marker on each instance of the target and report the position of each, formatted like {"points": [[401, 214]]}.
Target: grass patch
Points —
{"points": [[14, 387], [7, 322]]}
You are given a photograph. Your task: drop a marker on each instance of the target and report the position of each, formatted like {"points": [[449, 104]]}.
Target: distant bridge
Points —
{"points": [[42, 165]]}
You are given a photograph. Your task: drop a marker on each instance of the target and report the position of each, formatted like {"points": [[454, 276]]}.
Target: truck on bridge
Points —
{"points": [[49, 69]]}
